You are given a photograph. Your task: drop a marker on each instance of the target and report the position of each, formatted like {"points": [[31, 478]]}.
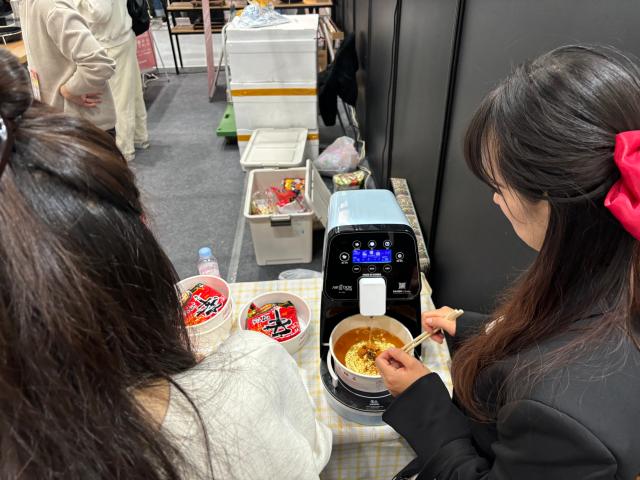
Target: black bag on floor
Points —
{"points": [[139, 13]]}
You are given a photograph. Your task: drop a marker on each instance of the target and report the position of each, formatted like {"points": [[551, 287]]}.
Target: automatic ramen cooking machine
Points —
{"points": [[371, 277]]}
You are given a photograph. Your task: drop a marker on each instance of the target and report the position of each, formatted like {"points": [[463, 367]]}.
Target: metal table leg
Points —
{"points": [[169, 19], [179, 52]]}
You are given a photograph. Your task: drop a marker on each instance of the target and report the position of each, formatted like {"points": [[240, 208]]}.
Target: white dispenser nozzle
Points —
{"points": [[372, 294]]}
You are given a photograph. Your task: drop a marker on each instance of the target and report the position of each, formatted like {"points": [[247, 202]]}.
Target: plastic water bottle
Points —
{"points": [[207, 263]]}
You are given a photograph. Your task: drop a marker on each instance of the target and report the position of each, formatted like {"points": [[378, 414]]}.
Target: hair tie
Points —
{"points": [[6, 143], [623, 199]]}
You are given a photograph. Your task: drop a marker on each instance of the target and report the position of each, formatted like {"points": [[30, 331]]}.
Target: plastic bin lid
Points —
{"points": [[275, 148], [317, 195]]}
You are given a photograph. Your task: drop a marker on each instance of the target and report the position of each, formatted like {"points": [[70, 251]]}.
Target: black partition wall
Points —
{"points": [[449, 55]]}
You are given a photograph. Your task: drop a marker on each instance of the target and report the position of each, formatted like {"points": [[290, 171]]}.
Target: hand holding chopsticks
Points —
{"points": [[425, 335]]}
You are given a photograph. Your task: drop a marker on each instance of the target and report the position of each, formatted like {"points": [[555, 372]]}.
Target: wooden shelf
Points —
{"points": [[188, 7], [17, 48], [189, 30]]}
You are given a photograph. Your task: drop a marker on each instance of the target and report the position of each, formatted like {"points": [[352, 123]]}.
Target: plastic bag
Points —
{"points": [[339, 157], [263, 203], [299, 274], [257, 15]]}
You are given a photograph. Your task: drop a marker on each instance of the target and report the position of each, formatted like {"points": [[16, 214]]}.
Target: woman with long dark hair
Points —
{"points": [[548, 386], [97, 379]]}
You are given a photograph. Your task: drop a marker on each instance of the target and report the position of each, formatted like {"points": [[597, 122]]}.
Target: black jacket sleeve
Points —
{"points": [[534, 440]]}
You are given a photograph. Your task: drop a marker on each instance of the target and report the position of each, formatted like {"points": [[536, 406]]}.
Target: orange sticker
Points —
{"points": [[35, 84]]}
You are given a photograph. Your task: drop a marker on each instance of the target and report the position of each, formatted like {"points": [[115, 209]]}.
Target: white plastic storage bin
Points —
{"points": [[275, 105], [311, 146], [275, 148], [280, 239], [281, 53]]}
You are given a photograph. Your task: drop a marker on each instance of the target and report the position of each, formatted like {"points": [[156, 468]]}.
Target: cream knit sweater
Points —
{"points": [[62, 51]]}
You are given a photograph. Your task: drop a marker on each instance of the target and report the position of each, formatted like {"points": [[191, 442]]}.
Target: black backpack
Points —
{"points": [[139, 13]]}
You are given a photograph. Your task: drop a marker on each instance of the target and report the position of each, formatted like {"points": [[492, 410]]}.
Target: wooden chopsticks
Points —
{"points": [[425, 335]]}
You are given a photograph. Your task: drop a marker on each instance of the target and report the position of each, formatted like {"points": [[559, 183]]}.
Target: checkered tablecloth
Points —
{"points": [[359, 452]]}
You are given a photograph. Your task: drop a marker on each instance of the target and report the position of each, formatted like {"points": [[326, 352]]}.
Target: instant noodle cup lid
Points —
{"points": [[303, 313], [207, 335]]}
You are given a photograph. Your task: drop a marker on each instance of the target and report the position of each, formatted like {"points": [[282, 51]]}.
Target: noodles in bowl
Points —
{"points": [[365, 338], [358, 348]]}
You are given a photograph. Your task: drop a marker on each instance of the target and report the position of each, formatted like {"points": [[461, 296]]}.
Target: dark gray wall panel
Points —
{"points": [[378, 70], [361, 31], [426, 37], [475, 250], [347, 8]]}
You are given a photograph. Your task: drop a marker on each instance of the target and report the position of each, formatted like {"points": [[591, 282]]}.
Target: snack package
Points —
{"points": [[294, 207], [288, 201], [276, 320], [284, 197], [349, 181], [201, 303], [263, 203], [294, 184]]}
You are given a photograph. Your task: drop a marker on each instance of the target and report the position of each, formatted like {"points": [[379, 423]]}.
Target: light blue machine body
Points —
{"points": [[364, 207]]}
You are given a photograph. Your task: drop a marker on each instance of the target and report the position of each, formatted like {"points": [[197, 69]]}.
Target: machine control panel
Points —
{"points": [[353, 254]]}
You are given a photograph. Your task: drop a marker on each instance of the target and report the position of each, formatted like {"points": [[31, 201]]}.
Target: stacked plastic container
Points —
{"points": [[275, 100], [274, 78]]}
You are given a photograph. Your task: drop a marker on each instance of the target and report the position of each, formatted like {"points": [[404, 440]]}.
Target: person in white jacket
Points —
{"points": [[110, 23], [69, 69]]}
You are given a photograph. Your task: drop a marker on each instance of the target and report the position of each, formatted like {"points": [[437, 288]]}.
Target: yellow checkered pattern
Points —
{"points": [[359, 452]]}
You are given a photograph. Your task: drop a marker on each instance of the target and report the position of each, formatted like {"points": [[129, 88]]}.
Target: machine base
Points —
{"points": [[359, 407]]}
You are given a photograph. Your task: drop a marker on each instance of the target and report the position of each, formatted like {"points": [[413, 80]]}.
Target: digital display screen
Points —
{"points": [[371, 256]]}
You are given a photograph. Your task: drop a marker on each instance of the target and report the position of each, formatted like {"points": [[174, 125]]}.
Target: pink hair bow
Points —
{"points": [[623, 200]]}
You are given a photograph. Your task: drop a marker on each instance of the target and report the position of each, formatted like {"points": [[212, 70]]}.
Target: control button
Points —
{"points": [[386, 268], [356, 269], [372, 244], [344, 256], [372, 268], [387, 243], [357, 244], [399, 256]]}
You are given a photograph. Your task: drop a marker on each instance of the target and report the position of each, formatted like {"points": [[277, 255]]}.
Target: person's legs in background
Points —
{"points": [[140, 134], [126, 87]]}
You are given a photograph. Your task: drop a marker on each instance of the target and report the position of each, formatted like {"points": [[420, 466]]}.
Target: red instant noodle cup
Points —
{"points": [[208, 319], [294, 339]]}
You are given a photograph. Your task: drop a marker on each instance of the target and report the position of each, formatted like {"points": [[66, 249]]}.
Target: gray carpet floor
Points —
{"points": [[192, 182]]}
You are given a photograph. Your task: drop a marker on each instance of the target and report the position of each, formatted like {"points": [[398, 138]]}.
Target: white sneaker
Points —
{"points": [[142, 145], [130, 157]]}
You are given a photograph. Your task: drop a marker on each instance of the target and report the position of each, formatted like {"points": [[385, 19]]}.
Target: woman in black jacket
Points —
{"points": [[548, 386]]}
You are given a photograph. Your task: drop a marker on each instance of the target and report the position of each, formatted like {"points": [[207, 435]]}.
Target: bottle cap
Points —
{"points": [[205, 252]]}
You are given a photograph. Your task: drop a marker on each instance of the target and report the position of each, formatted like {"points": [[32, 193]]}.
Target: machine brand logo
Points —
{"points": [[342, 288], [402, 285]]}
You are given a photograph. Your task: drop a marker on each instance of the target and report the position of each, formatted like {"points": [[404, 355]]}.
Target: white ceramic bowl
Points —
{"points": [[206, 336], [302, 309], [363, 383]]}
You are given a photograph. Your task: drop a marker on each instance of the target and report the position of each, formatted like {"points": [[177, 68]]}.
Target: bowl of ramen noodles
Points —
{"points": [[354, 345]]}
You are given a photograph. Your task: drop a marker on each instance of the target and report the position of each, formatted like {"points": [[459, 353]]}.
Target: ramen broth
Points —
{"points": [[358, 348]]}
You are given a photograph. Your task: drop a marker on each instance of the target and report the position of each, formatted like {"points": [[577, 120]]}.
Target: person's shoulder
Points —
{"points": [[58, 10], [248, 342], [250, 349], [62, 4]]}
